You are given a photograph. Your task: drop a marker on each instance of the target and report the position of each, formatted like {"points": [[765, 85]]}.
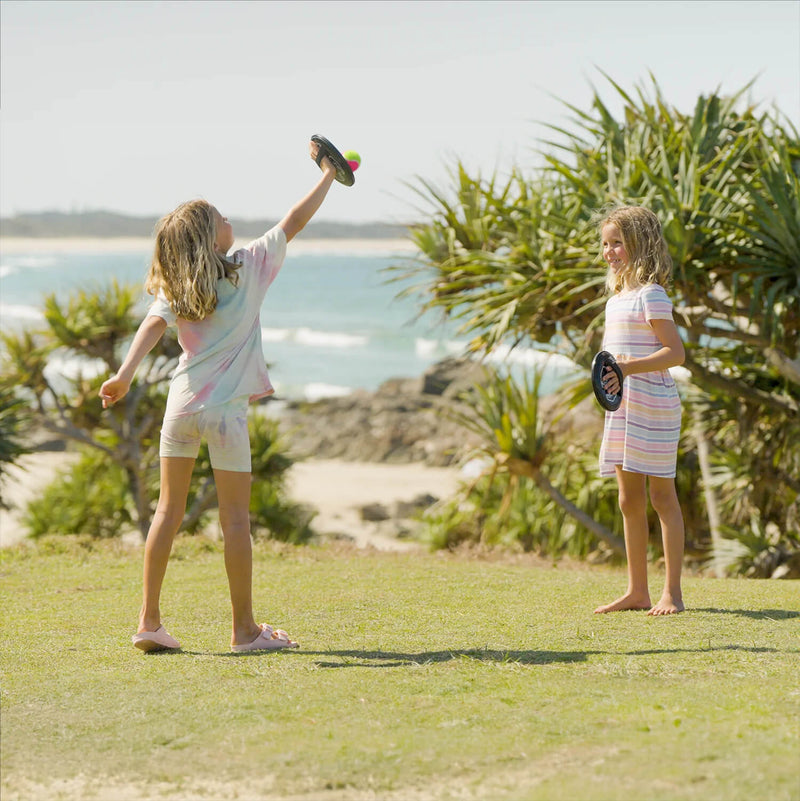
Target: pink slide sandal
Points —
{"points": [[158, 640], [269, 640]]}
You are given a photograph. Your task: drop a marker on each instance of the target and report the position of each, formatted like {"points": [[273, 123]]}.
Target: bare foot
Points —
{"points": [[667, 606], [628, 601]]}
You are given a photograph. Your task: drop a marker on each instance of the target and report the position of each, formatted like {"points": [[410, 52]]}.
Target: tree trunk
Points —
{"points": [[138, 490], [712, 507], [205, 499], [521, 467]]}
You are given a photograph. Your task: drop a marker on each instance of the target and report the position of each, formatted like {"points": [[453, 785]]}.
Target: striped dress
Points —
{"points": [[642, 435]]}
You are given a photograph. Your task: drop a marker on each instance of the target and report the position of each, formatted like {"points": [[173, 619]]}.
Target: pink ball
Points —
{"points": [[353, 159]]}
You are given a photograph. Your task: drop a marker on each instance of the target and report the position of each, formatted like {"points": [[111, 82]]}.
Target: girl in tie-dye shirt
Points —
{"points": [[640, 439], [214, 301]]}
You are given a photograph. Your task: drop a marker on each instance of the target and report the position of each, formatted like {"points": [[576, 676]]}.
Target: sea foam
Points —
{"points": [[20, 312], [27, 262], [312, 391], [314, 339], [316, 391], [530, 357], [436, 348]]}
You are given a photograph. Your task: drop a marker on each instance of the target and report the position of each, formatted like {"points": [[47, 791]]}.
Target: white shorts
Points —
{"points": [[223, 427]]}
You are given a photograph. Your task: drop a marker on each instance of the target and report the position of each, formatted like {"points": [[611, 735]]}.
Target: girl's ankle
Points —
{"points": [[149, 623]]}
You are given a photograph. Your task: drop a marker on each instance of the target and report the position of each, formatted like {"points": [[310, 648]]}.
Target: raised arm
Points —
{"points": [[145, 339], [302, 212]]}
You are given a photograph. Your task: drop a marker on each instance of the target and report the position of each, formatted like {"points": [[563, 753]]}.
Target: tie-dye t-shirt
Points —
{"points": [[642, 435], [222, 355]]}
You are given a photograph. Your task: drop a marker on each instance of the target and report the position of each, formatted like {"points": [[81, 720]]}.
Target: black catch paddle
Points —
{"points": [[607, 400], [344, 174]]}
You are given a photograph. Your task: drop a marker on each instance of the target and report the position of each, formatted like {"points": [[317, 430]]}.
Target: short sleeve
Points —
{"points": [[161, 308], [267, 253], [656, 303]]}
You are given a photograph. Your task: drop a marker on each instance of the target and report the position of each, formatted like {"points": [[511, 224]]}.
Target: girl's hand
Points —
{"points": [[610, 381], [113, 390], [670, 354], [326, 165]]}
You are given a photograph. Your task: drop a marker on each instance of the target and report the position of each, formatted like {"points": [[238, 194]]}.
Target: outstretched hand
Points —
{"points": [[113, 390], [326, 164]]}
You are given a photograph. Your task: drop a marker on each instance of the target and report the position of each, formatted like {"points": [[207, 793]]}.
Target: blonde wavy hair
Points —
{"points": [[185, 267], [649, 261]]}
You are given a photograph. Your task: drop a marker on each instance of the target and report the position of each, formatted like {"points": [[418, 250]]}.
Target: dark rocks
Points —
{"points": [[374, 512], [406, 509], [405, 420]]}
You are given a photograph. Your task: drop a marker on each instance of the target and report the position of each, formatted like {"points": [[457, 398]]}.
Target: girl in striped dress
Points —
{"points": [[640, 439]]}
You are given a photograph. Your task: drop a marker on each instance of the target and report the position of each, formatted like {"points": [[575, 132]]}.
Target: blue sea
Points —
{"points": [[332, 321]]}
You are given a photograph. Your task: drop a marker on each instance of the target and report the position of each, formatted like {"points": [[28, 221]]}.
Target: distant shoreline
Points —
{"points": [[108, 224], [123, 244]]}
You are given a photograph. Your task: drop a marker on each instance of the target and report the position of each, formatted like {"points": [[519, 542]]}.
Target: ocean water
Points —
{"points": [[332, 321]]}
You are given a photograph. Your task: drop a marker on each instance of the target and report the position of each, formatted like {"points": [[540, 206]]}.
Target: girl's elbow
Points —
{"points": [[680, 355]]}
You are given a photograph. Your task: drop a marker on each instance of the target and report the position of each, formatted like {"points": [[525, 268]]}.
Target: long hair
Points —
{"points": [[185, 267], [649, 261]]}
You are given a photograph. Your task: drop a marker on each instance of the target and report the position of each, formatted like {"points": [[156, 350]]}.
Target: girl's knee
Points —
{"points": [[632, 503], [664, 499], [234, 522], [169, 516]]}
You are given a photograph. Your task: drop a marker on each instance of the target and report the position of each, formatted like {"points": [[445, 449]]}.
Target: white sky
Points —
{"points": [[137, 106]]}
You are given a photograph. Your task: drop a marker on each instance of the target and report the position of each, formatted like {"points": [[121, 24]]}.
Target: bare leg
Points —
{"points": [[176, 476], [665, 501], [233, 492], [633, 503]]}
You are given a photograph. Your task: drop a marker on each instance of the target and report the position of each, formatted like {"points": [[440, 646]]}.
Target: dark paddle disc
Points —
{"points": [[607, 400], [344, 175]]}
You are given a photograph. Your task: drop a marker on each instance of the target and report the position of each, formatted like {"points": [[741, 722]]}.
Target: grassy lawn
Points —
{"points": [[419, 677]]}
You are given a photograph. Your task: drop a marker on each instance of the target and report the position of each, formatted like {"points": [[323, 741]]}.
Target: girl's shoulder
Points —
{"points": [[639, 297], [272, 242], [655, 294], [654, 289], [648, 292]]}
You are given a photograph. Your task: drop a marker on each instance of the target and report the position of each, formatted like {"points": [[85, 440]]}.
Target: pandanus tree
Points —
{"points": [[115, 484], [516, 260], [14, 419]]}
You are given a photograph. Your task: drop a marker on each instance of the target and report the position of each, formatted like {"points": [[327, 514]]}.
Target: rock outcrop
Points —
{"points": [[405, 420]]}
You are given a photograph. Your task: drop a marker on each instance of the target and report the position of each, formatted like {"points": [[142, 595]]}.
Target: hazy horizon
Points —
{"points": [[154, 216], [135, 107]]}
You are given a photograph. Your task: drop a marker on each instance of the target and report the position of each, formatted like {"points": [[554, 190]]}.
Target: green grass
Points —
{"points": [[420, 677]]}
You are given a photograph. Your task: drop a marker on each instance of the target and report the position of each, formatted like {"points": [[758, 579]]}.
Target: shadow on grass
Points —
{"points": [[393, 659], [754, 614], [386, 659]]}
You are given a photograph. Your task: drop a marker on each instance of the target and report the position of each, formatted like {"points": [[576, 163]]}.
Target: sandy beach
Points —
{"points": [[337, 489], [23, 480]]}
